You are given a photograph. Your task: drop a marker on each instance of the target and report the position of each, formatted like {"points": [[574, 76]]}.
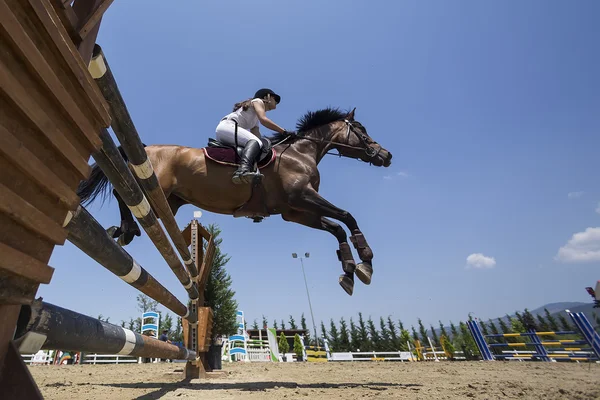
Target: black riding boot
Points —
{"points": [[245, 172]]}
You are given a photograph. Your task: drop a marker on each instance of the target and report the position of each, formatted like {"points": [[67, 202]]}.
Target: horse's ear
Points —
{"points": [[350, 116]]}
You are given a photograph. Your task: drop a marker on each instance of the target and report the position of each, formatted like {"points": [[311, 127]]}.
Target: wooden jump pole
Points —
{"points": [[91, 238], [45, 326], [132, 145], [114, 167]]}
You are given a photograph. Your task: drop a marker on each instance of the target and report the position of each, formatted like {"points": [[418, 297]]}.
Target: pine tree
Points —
{"points": [[265, 323], [564, 324], [404, 339], [298, 348], [551, 321], [168, 325], [434, 337], [484, 328], [395, 342], [470, 347], [365, 343], [520, 318], [146, 303], [503, 326], [414, 333], [517, 327], [255, 325], [423, 333], [493, 328], [219, 292], [292, 323], [386, 339], [447, 346], [443, 330], [453, 330], [334, 336], [324, 334], [400, 326], [284, 346], [178, 335], [305, 328], [374, 335], [275, 325], [542, 324], [529, 320], [354, 337], [282, 325], [344, 336], [597, 319]]}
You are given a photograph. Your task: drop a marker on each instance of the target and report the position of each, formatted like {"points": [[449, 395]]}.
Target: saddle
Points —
{"points": [[227, 155], [255, 208]]}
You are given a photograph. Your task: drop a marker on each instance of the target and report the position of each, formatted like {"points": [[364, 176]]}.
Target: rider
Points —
{"points": [[245, 118]]}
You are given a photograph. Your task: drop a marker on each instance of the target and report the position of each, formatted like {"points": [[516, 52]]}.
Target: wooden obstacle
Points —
{"points": [[53, 117]]}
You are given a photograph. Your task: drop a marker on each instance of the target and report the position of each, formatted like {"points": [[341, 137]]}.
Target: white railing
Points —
{"points": [[259, 355], [108, 359], [41, 358]]}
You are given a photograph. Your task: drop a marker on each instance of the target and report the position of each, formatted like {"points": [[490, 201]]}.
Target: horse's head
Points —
{"points": [[353, 141]]}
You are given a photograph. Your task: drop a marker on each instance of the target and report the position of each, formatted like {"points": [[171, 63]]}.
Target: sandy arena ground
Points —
{"points": [[429, 380]]}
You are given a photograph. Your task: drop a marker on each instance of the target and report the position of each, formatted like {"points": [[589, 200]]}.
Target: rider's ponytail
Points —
{"points": [[243, 104]]}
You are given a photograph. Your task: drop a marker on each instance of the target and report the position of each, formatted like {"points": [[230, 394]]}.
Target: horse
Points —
{"points": [[289, 187]]}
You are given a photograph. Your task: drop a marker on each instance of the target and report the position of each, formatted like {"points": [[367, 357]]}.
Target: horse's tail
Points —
{"points": [[97, 184]]}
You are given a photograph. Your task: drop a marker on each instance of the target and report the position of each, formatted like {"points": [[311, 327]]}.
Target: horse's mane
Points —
{"points": [[312, 120]]}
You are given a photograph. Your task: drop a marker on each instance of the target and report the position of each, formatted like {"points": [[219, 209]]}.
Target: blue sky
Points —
{"points": [[491, 112]]}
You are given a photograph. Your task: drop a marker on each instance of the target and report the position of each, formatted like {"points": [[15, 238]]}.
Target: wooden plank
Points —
{"points": [[44, 72], [202, 230], [92, 20], [15, 150], [22, 264], [20, 96], [17, 382], [30, 217], [57, 32], [187, 235]]}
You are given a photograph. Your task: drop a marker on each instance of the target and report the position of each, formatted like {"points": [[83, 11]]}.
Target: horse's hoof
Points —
{"points": [[347, 284], [364, 271], [114, 232]]}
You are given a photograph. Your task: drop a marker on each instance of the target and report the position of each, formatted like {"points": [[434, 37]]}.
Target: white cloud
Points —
{"points": [[582, 247], [479, 261], [387, 177], [575, 195], [403, 174]]}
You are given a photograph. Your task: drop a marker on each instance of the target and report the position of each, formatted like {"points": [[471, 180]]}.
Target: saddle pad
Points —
{"points": [[227, 156]]}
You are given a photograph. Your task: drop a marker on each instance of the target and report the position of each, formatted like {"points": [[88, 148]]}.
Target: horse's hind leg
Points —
{"points": [[129, 228], [344, 253]]}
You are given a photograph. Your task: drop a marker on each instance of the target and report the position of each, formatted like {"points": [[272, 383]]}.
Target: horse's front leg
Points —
{"points": [[311, 201], [344, 253]]}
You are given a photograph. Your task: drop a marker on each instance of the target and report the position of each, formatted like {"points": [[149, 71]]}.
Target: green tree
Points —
{"points": [[493, 328], [423, 333], [467, 342], [447, 346], [414, 333], [400, 326], [298, 348], [453, 330], [443, 330], [255, 325], [334, 336], [282, 325], [354, 336], [386, 338], [324, 334], [168, 325], [178, 335], [365, 343], [344, 336], [292, 322], [404, 339], [394, 339], [264, 322], [146, 303], [305, 328], [374, 336], [284, 346], [551, 320], [434, 337], [275, 325], [504, 326], [484, 328], [517, 327], [219, 292], [564, 324], [529, 320], [542, 323]]}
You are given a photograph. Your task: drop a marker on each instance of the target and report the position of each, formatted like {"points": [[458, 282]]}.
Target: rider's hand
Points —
{"points": [[290, 133]]}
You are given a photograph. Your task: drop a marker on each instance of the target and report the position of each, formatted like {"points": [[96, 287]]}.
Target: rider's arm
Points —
{"points": [[255, 131], [259, 107]]}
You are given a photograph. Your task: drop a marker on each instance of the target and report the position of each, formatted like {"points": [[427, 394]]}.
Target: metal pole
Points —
{"points": [[309, 303]]}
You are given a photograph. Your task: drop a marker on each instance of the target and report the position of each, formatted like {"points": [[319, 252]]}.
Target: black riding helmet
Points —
{"points": [[263, 92]]}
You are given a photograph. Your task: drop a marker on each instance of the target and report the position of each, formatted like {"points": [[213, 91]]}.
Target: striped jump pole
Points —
{"points": [[114, 167], [125, 130], [91, 238], [46, 326]]}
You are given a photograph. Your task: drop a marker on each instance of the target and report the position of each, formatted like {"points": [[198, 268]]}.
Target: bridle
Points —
{"points": [[365, 140]]}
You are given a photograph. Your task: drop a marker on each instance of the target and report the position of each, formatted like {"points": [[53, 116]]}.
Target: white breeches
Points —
{"points": [[226, 134]]}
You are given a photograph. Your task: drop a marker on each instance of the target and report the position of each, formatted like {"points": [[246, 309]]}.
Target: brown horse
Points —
{"points": [[290, 185]]}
